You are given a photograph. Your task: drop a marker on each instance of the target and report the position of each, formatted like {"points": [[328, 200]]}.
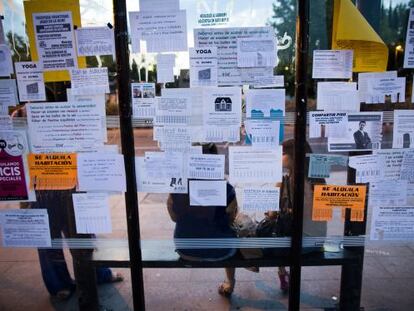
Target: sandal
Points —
{"points": [[63, 294], [284, 282], [226, 288]]}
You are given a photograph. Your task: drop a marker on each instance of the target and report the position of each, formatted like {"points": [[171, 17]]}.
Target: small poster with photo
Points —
{"points": [[363, 133], [143, 100]]}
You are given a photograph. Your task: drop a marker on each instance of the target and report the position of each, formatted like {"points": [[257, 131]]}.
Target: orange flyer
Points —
{"points": [[326, 197], [52, 171]]}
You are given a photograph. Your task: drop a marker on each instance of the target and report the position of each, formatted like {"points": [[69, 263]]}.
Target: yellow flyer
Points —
{"points": [[52, 171], [351, 31], [50, 28], [326, 197]]}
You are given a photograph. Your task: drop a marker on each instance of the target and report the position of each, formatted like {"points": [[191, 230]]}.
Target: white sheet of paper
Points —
{"points": [[378, 88], [392, 223], [164, 164], [55, 41], [225, 39], [338, 96], [407, 166], [70, 127], [30, 81], [177, 184], [335, 124], [409, 42], [162, 31], [203, 67], [403, 131], [195, 97], [274, 81], [206, 166], [369, 168], [91, 41], [222, 114], [247, 164], [6, 63], [392, 162], [252, 52], [159, 5], [208, 192], [89, 81], [388, 193], [143, 100], [171, 110], [92, 213], [101, 172], [332, 64], [351, 140], [94, 99], [260, 200], [174, 138], [25, 228], [165, 68], [264, 133], [364, 77], [8, 95], [6, 122], [257, 76], [264, 102]]}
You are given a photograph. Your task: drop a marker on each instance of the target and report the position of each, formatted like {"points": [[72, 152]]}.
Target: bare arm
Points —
{"points": [[232, 209]]}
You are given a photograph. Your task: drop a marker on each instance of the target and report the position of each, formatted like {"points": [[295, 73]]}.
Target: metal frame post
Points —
{"points": [[128, 150], [302, 48]]}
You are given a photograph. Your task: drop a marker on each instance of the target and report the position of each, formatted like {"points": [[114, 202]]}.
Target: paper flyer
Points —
{"points": [[392, 223], [203, 67], [92, 214], [70, 126], [55, 39], [143, 100], [332, 64], [151, 184], [30, 81], [363, 132], [25, 228], [225, 39], [260, 200], [8, 95], [162, 31], [326, 197], [14, 179], [222, 114], [89, 81], [52, 171], [91, 41], [409, 40], [351, 31], [6, 63]]}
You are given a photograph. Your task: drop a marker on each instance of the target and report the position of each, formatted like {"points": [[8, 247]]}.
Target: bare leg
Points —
{"points": [[226, 288], [284, 279]]}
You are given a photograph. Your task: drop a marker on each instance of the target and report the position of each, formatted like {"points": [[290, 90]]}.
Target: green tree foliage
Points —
{"points": [[19, 49], [393, 25]]}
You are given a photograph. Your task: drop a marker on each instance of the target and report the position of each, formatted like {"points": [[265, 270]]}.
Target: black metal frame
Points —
{"points": [[128, 150], [302, 47]]}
